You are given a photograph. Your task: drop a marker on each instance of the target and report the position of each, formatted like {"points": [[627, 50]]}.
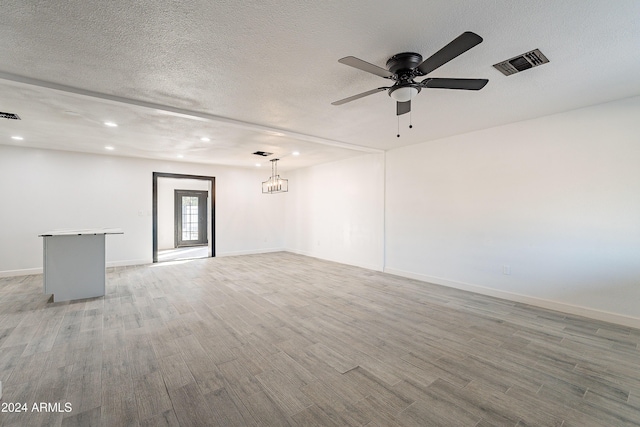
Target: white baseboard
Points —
{"points": [[39, 270], [249, 252], [339, 261], [129, 262], [591, 313], [23, 272]]}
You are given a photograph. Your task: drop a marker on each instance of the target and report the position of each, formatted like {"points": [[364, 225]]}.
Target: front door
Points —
{"points": [[190, 218]]}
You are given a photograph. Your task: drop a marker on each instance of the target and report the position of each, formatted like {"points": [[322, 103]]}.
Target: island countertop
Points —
{"points": [[80, 232]]}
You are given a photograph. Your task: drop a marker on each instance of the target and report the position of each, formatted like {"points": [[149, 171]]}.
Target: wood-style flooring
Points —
{"points": [[285, 340]]}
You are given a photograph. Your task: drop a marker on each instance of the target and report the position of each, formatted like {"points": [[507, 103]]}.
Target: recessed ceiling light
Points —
{"points": [[180, 156], [111, 124], [296, 153], [109, 147], [205, 139], [17, 138], [258, 164]]}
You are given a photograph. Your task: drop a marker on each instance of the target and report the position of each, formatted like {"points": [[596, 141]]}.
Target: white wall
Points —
{"points": [[335, 211], [42, 190], [166, 207], [557, 199]]}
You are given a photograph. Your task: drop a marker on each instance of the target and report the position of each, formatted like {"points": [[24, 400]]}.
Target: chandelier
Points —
{"points": [[275, 184]]}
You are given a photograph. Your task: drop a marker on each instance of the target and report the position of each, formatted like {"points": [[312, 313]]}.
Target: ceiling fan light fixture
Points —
{"points": [[403, 94]]}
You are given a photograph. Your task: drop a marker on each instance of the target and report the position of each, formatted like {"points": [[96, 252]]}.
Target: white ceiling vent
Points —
{"points": [[521, 62], [11, 116]]}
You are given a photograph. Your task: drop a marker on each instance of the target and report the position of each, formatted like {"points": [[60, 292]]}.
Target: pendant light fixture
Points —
{"points": [[275, 184]]}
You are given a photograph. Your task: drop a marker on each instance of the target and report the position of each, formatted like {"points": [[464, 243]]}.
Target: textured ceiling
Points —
{"points": [[261, 75]]}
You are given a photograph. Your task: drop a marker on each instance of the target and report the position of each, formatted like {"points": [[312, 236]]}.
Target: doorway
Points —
{"points": [[195, 231], [190, 219]]}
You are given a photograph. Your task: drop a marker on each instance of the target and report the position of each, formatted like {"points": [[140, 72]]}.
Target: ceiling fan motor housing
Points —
{"points": [[403, 65]]}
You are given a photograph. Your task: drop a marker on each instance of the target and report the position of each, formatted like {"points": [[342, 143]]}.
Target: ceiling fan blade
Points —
{"points": [[403, 108], [465, 84], [354, 62], [458, 46], [358, 96]]}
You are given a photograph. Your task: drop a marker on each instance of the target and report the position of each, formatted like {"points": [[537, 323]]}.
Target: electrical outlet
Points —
{"points": [[506, 269]]}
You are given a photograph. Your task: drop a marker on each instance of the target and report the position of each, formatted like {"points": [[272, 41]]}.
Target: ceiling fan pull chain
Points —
{"points": [[398, 126], [410, 120]]}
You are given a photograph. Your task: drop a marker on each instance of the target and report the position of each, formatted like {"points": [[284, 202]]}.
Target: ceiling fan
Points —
{"points": [[403, 68]]}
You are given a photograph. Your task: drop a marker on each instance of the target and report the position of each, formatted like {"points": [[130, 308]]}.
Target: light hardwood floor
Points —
{"points": [[281, 339]]}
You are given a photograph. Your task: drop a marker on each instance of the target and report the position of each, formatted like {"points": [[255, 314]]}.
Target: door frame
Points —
{"points": [[177, 217], [212, 213]]}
